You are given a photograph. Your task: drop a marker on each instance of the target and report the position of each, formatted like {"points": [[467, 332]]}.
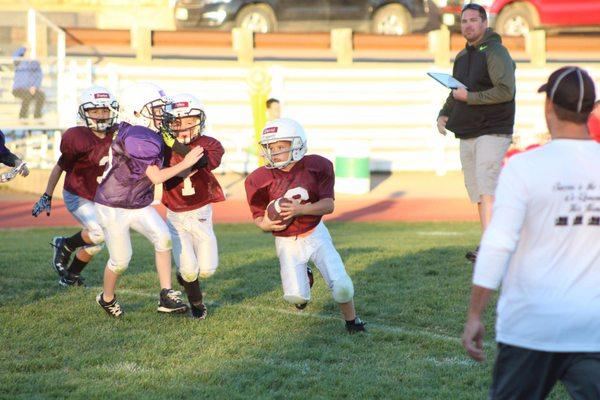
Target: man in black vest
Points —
{"points": [[481, 116]]}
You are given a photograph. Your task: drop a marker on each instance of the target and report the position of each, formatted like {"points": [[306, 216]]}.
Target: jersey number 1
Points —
{"points": [[187, 189]]}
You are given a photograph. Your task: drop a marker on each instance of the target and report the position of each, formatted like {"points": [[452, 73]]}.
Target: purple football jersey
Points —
{"points": [[125, 183]]}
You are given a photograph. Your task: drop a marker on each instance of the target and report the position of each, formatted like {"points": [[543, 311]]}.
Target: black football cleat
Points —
{"points": [[311, 278], [62, 254], [311, 282], [355, 326], [180, 280], [170, 302], [70, 279], [112, 308], [472, 255], [198, 311]]}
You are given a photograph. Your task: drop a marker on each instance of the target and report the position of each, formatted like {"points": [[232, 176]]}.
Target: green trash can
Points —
{"points": [[352, 168]]}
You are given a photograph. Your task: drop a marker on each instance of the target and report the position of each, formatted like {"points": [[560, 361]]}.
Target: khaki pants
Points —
{"points": [[481, 160]]}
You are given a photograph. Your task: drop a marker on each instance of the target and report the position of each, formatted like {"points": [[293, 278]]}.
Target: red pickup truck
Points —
{"points": [[515, 18]]}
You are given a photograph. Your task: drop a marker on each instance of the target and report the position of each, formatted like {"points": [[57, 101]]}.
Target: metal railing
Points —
{"points": [[40, 151], [38, 47], [341, 45]]}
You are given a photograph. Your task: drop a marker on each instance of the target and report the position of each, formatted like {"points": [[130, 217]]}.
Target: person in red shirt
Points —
{"points": [[308, 181], [188, 198], [594, 122], [84, 154]]}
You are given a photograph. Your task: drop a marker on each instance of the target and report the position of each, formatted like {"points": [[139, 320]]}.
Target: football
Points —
{"points": [[274, 210]]}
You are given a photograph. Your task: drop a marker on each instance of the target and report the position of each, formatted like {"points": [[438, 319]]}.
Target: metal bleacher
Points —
{"points": [[32, 139], [391, 110], [388, 110]]}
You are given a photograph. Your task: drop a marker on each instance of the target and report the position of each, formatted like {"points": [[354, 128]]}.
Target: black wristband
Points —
{"points": [[180, 148], [9, 159], [201, 163]]}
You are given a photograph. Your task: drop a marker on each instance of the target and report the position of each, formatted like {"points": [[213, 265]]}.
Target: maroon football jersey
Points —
{"points": [[310, 180], [83, 157], [185, 194]]}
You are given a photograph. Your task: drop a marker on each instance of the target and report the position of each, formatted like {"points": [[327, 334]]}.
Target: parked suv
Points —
{"points": [[515, 18], [394, 17]]}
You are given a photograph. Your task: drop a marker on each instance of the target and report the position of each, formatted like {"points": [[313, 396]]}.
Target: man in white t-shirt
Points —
{"points": [[543, 245]]}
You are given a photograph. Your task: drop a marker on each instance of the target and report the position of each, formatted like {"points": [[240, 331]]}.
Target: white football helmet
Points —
{"points": [[184, 118], [283, 129], [96, 97], [142, 104]]}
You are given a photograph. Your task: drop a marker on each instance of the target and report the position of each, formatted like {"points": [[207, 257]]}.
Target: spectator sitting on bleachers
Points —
{"points": [[27, 83]]}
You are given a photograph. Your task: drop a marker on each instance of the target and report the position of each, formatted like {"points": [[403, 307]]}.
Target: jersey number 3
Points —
{"points": [[297, 195], [103, 161]]}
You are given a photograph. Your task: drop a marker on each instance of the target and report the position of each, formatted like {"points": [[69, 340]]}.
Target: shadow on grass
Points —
{"points": [[253, 345], [414, 305]]}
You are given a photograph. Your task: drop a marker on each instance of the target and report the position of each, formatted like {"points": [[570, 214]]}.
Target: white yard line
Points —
{"points": [[439, 233], [304, 314], [371, 325], [453, 361]]}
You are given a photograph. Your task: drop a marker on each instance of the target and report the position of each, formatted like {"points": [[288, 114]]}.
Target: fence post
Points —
{"points": [[43, 150], [112, 73], [243, 45], [31, 33], [439, 46], [60, 79], [535, 44], [56, 145], [341, 45], [141, 41]]}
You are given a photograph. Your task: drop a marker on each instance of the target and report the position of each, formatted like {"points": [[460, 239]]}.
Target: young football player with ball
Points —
{"points": [[307, 181]]}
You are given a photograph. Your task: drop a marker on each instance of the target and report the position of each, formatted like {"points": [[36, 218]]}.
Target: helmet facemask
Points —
{"points": [[99, 117], [152, 113], [183, 126], [271, 151]]}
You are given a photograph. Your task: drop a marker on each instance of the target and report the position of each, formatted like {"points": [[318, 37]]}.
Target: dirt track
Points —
{"points": [[399, 197], [17, 214]]}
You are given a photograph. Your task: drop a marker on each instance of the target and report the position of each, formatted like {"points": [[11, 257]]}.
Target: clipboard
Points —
{"points": [[447, 80]]}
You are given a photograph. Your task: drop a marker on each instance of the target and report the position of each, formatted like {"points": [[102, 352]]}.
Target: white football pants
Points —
{"points": [[84, 211], [294, 254], [116, 223], [194, 242]]}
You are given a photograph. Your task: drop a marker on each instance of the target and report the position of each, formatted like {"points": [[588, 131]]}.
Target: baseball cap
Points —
{"points": [[572, 88]]}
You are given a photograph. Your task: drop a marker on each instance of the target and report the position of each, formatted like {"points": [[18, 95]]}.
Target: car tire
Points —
{"points": [[392, 19], [516, 20], [259, 18]]}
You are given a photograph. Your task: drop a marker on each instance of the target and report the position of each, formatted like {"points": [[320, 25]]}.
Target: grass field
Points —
{"points": [[412, 286]]}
